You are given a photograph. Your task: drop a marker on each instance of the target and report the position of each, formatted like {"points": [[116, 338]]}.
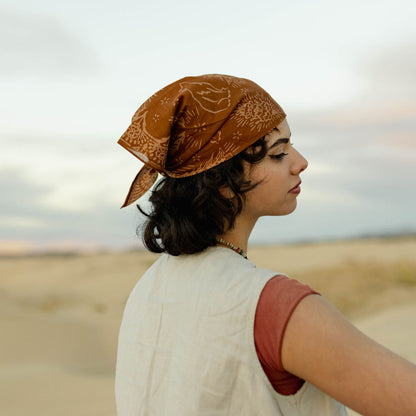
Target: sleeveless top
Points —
{"points": [[278, 299], [186, 344]]}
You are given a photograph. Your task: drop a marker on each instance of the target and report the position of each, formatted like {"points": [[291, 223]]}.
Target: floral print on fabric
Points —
{"points": [[197, 123]]}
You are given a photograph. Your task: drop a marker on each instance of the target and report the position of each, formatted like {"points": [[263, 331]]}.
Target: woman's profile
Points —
{"points": [[205, 331]]}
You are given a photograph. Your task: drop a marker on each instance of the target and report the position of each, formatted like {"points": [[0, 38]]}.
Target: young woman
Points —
{"points": [[206, 332]]}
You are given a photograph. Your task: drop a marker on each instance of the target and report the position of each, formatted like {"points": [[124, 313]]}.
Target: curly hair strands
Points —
{"points": [[187, 214]]}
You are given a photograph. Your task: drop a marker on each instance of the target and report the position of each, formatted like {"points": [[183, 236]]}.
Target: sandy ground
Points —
{"points": [[60, 314], [394, 328]]}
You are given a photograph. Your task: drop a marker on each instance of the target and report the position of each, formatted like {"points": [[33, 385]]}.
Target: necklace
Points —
{"points": [[238, 250]]}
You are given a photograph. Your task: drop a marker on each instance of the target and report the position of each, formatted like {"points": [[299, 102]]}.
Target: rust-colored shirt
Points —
{"points": [[277, 302]]}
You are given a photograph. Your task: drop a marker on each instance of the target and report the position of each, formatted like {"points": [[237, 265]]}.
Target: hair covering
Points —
{"points": [[194, 124]]}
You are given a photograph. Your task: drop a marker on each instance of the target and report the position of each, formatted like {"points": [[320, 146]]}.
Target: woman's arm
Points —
{"points": [[322, 347]]}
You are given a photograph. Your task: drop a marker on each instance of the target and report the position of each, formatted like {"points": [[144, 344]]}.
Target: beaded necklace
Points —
{"points": [[238, 250]]}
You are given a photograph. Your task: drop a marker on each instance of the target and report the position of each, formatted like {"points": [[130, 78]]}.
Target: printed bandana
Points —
{"points": [[194, 124]]}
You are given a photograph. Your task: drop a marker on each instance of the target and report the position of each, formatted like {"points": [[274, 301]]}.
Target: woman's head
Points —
{"points": [[188, 214], [211, 138]]}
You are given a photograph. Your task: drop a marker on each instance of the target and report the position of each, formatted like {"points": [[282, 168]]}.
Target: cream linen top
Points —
{"points": [[186, 344]]}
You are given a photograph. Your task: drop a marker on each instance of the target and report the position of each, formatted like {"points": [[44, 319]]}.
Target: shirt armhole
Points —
{"points": [[277, 301]]}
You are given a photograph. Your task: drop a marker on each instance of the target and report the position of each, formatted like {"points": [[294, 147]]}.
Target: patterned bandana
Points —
{"points": [[194, 124]]}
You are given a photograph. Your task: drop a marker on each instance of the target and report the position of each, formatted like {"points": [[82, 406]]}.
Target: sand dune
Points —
{"points": [[394, 328], [60, 314]]}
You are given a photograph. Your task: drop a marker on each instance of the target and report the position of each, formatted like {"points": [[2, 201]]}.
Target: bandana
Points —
{"points": [[194, 124]]}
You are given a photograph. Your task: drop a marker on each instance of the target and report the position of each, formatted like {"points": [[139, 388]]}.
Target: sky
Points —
{"points": [[72, 74]]}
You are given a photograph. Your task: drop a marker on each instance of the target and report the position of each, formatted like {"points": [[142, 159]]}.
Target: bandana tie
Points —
{"points": [[194, 124]]}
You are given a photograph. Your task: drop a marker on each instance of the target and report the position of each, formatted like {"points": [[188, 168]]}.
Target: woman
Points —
{"points": [[206, 332]]}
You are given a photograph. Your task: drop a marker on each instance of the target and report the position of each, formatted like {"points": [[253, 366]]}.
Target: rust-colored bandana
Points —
{"points": [[194, 124]]}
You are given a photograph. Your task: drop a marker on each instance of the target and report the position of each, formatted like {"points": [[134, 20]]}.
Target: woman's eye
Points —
{"points": [[280, 156]]}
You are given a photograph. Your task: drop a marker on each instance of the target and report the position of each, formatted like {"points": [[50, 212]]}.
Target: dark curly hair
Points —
{"points": [[187, 214]]}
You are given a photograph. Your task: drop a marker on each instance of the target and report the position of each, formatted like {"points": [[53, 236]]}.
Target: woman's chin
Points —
{"points": [[289, 209]]}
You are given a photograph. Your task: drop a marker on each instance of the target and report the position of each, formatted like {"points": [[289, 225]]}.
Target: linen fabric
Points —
{"points": [[186, 344], [194, 124]]}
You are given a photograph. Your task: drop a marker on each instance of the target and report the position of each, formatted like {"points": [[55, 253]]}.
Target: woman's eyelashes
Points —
{"points": [[280, 156], [284, 152]]}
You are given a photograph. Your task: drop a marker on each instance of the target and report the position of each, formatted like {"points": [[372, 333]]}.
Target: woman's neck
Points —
{"points": [[240, 233]]}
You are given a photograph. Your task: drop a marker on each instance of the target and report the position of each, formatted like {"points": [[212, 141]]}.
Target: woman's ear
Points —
{"points": [[226, 192]]}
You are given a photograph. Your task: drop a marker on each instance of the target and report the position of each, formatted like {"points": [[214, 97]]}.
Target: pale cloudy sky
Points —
{"points": [[73, 73]]}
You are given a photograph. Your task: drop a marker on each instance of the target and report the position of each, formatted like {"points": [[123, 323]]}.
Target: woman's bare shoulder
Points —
{"points": [[324, 348]]}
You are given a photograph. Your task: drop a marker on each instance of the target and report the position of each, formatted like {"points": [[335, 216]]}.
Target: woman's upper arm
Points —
{"points": [[322, 347]]}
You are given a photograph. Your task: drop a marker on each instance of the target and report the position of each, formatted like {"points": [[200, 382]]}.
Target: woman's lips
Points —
{"points": [[296, 189]]}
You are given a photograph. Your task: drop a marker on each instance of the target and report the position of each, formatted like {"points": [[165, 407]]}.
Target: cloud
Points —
{"points": [[75, 173], [19, 195], [26, 217], [68, 186], [364, 152], [379, 120], [39, 46], [392, 70], [386, 97]]}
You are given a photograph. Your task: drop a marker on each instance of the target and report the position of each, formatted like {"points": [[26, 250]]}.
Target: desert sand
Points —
{"points": [[60, 314]]}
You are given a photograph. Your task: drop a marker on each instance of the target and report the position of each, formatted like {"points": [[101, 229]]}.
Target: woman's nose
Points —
{"points": [[299, 164]]}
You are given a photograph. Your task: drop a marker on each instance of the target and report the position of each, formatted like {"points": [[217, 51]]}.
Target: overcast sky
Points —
{"points": [[73, 73]]}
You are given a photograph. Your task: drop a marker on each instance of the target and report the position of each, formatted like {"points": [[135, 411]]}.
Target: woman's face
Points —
{"points": [[278, 177]]}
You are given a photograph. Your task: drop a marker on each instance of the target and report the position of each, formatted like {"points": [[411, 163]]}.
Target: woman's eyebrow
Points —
{"points": [[279, 141]]}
